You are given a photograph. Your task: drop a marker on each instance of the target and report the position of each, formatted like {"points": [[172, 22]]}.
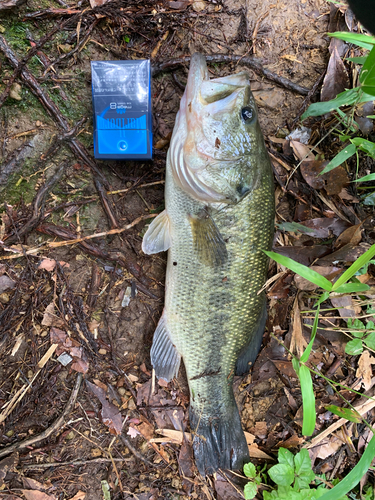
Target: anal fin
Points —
{"points": [[157, 237], [164, 356], [208, 241], [251, 349]]}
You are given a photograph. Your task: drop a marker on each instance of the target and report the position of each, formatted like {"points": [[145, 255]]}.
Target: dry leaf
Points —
{"points": [[345, 306], [37, 495], [297, 342], [80, 495], [50, 318], [132, 432], [364, 369], [110, 414], [302, 151], [6, 283], [336, 79], [328, 272]]}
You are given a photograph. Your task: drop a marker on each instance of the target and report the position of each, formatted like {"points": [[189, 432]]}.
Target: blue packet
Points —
{"points": [[121, 95]]}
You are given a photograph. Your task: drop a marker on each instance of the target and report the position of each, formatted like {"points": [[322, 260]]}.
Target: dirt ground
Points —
{"points": [[78, 408]]}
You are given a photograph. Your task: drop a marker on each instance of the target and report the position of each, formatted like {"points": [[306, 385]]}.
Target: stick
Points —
{"points": [[56, 426], [252, 62]]}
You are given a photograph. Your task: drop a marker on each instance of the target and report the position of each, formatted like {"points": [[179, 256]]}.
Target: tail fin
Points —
{"points": [[218, 441]]}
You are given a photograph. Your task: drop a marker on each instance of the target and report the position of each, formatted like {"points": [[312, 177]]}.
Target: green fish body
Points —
{"points": [[218, 219]]}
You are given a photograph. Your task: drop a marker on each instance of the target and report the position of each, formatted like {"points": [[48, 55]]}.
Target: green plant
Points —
{"points": [[364, 92], [346, 283], [293, 476]]}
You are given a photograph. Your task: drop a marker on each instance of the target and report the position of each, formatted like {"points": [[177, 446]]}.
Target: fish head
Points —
{"points": [[217, 142]]}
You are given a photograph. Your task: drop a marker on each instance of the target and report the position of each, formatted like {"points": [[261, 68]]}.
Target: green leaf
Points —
{"points": [[352, 479], [364, 145], [366, 178], [370, 340], [360, 262], [249, 470], [352, 288], [294, 227], [343, 155], [321, 299], [354, 347], [306, 354], [367, 74], [285, 457], [370, 325], [282, 474], [363, 41], [369, 199], [250, 490], [346, 98], [348, 413], [303, 471], [356, 60], [308, 401], [302, 270], [106, 490]]}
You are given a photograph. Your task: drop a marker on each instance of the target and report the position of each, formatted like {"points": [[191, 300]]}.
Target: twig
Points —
{"points": [[135, 452], [77, 48], [51, 108], [39, 201], [252, 62], [307, 100], [74, 462], [29, 55], [56, 426]]}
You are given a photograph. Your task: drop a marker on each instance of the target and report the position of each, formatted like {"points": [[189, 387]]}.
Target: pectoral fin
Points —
{"points": [[157, 238], [164, 356], [208, 242]]}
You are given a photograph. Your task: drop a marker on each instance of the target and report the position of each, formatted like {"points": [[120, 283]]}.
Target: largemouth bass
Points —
{"points": [[218, 218]]}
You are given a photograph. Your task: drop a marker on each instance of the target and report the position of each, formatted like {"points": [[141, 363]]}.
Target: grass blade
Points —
{"points": [[302, 270], [369, 177], [352, 288], [308, 401], [344, 154], [356, 266], [352, 479]]}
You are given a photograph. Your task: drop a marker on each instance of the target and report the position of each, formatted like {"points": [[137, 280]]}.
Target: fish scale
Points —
{"points": [[213, 314]]}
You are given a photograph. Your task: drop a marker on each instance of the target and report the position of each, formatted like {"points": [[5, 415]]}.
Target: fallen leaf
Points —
{"points": [[179, 5], [260, 430], [255, 452], [146, 429], [6, 283], [351, 235], [336, 79], [32, 484], [132, 432], [329, 448], [304, 255], [186, 459], [364, 369], [47, 264], [80, 495], [297, 341], [98, 3], [302, 151], [292, 442], [110, 414], [7, 465], [50, 318], [328, 272], [80, 366], [325, 228], [345, 306], [37, 495]]}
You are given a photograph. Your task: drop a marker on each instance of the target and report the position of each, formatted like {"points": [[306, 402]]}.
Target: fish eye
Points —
{"points": [[247, 114]]}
